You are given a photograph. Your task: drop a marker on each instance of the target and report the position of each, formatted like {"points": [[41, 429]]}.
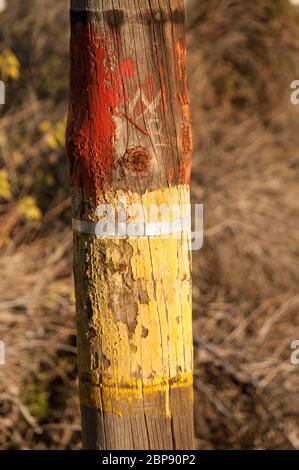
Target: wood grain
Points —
{"points": [[129, 135]]}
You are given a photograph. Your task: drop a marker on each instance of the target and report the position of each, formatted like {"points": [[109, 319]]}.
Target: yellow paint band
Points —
{"points": [[142, 385], [134, 313]]}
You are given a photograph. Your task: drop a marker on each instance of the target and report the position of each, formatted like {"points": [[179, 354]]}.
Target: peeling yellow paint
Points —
{"points": [[134, 312], [131, 395]]}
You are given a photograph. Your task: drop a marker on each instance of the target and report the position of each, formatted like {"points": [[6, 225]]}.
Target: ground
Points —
{"points": [[242, 59]]}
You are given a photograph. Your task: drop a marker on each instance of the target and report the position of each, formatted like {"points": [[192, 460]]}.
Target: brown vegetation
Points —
{"points": [[242, 57]]}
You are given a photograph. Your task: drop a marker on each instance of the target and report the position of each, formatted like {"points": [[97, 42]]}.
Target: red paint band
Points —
{"points": [[96, 91]]}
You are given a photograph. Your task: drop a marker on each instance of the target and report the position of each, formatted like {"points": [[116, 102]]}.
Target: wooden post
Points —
{"points": [[129, 143]]}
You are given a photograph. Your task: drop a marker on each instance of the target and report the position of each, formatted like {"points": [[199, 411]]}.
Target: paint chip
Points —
{"points": [[144, 332]]}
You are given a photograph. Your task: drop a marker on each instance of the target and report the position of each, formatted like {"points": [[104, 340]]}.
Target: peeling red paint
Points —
{"points": [[187, 148], [181, 52], [186, 133], [100, 87], [186, 139], [182, 70], [96, 91]]}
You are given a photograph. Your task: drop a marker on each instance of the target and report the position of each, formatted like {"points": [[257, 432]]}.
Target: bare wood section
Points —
{"points": [[142, 430]]}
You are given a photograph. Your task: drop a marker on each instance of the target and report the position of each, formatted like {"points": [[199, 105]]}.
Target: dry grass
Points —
{"points": [[246, 172], [243, 56], [38, 393]]}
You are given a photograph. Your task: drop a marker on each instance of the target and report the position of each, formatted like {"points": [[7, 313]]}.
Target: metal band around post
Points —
{"points": [[157, 229]]}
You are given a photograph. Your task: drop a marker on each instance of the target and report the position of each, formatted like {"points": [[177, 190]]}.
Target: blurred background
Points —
{"points": [[242, 58]]}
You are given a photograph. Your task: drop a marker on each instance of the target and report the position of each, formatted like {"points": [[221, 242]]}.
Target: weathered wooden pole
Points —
{"points": [[129, 143]]}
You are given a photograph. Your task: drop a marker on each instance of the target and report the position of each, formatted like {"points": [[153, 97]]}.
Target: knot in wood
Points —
{"points": [[137, 160]]}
